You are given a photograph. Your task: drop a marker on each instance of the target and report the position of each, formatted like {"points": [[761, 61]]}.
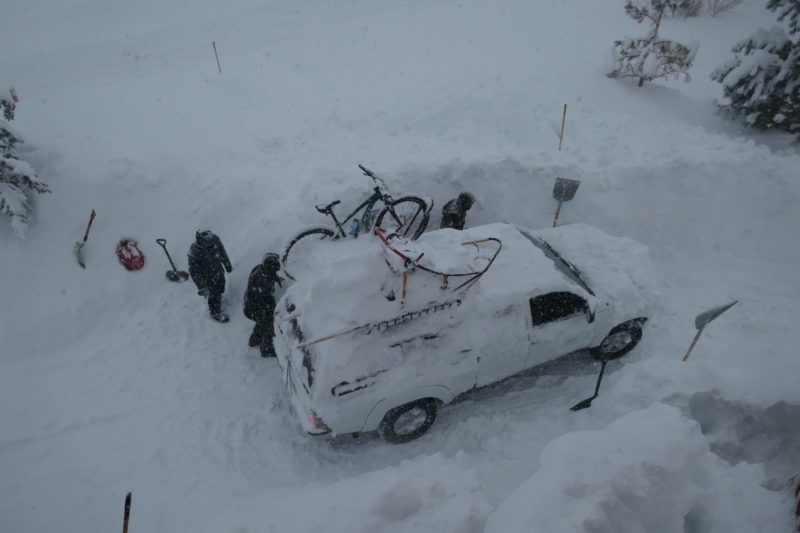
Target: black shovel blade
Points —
{"points": [[583, 404], [177, 275], [564, 189]]}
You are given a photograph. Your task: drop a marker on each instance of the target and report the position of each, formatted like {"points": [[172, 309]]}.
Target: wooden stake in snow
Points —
{"points": [[216, 55], [702, 320], [127, 514], [563, 120]]}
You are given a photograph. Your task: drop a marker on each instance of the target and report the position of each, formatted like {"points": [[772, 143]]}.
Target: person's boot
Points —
{"points": [[268, 350], [255, 340], [220, 317]]}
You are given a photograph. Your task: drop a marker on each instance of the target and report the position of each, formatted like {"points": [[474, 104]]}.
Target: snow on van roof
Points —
{"points": [[353, 283], [618, 267]]}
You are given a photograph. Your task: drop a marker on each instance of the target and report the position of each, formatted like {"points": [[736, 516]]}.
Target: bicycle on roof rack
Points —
{"points": [[409, 215]]}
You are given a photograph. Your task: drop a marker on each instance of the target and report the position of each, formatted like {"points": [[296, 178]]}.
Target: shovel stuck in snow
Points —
{"points": [[583, 404], [174, 274], [702, 320], [563, 191], [78, 249]]}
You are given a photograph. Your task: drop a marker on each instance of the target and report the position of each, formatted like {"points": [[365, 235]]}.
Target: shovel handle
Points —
{"points": [[163, 244], [691, 346], [558, 210], [89, 225]]}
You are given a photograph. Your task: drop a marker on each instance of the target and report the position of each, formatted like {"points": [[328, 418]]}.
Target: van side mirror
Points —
{"points": [[589, 314]]}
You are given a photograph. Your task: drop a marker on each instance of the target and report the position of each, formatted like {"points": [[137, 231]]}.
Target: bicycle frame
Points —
{"points": [[368, 203], [361, 217]]}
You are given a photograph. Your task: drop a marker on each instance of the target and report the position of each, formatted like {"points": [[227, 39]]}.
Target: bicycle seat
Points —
{"points": [[327, 208]]}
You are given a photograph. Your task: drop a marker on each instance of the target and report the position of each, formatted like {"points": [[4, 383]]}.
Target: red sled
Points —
{"points": [[130, 255]]}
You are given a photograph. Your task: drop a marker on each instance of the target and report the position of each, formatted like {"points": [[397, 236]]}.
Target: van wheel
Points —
{"points": [[619, 341], [409, 421]]}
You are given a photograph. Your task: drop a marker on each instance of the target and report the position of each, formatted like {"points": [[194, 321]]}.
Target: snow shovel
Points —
{"points": [[583, 404], [702, 320], [78, 249], [563, 191], [174, 274]]}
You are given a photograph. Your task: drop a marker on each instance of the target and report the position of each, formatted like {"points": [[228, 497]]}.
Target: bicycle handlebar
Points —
{"points": [[377, 179], [366, 171]]}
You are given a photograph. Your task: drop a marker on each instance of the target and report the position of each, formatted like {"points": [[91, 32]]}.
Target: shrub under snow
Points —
{"points": [[18, 179], [650, 57], [762, 81]]}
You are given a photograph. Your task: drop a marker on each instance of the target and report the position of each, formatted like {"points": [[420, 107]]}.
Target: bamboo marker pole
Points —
{"points": [[214, 44], [563, 120], [329, 337]]}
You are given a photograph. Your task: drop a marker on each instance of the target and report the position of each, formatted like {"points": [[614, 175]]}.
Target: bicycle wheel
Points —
{"points": [[410, 213], [295, 256]]}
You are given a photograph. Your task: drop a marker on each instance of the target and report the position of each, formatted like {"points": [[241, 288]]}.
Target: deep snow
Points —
{"points": [[112, 381]]}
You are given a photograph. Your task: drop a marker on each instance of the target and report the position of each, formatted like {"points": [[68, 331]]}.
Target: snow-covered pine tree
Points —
{"points": [[762, 81], [18, 180], [695, 8], [649, 57]]}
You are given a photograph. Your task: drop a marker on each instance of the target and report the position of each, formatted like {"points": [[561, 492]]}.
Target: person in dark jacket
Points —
{"points": [[207, 259], [454, 212], [259, 302]]}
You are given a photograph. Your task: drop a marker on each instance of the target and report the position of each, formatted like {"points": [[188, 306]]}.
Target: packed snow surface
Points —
{"points": [[114, 381]]}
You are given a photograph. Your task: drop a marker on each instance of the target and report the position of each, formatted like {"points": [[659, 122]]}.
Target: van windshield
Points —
{"points": [[567, 268]]}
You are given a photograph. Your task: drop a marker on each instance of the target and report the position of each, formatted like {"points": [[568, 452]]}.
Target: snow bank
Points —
{"points": [[432, 493], [649, 471]]}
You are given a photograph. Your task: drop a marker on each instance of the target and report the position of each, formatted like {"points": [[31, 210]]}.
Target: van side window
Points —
{"points": [[556, 306]]}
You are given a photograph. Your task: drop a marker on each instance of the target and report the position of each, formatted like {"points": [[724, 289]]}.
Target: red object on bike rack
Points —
{"points": [[381, 233]]}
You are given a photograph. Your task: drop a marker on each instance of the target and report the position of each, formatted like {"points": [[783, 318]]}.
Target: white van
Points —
{"points": [[374, 341]]}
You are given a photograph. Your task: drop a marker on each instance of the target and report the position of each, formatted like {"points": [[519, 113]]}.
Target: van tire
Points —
{"points": [[409, 421]]}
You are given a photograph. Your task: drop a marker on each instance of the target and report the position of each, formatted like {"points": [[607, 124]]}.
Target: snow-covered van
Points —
{"points": [[384, 332]]}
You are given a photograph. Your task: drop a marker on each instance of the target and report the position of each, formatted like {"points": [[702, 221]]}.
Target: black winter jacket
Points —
{"points": [[206, 262], [259, 298]]}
